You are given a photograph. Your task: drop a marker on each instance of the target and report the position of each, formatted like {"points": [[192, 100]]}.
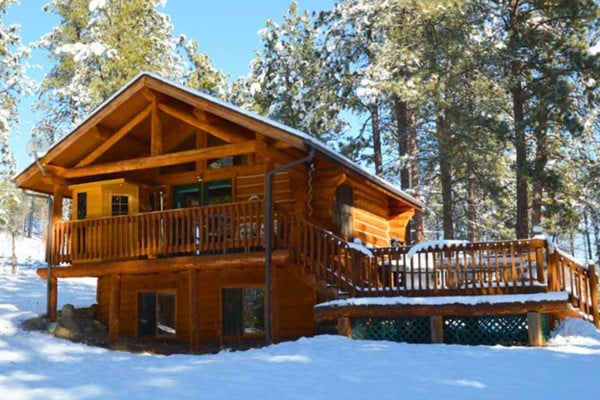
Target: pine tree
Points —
{"points": [[202, 74], [288, 80], [98, 46], [540, 48], [12, 84]]}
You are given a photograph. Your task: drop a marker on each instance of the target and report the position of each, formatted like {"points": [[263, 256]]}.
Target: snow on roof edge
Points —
{"points": [[307, 139]]}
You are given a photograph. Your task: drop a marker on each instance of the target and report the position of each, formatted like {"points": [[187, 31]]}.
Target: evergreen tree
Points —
{"points": [[98, 46], [541, 49], [12, 85], [12, 214], [202, 74], [288, 80]]}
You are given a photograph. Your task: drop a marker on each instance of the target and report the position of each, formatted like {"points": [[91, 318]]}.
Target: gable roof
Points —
{"points": [[129, 100]]}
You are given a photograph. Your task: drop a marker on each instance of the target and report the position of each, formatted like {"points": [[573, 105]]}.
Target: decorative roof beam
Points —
{"points": [[94, 155], [227, 135], [159, 161]]}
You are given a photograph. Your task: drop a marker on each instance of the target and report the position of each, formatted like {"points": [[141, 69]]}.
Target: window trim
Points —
{"points": [[156, 309], [244, 334]]}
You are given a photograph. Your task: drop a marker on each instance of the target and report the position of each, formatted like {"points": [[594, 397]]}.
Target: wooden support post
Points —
{"points": [[344, 327], [553, 273], [436, 323], [593, 279], [52, 298], [539, 265], [57, 198], [534, 328], [194, 315], [114, 306]]}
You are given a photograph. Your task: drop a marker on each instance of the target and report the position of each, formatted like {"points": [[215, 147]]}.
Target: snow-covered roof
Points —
{"points": [[293, 134]]}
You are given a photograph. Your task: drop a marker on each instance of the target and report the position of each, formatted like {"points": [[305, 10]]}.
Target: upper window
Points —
{"points": [[228, 161], [119, 205], [82, 205]]}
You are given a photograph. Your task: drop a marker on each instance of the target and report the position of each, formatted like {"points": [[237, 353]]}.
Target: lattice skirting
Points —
{"points": [[409, 330], [508, 330]]}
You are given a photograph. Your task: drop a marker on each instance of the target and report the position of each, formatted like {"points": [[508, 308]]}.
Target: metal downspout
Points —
{"points": [[269, 233]]}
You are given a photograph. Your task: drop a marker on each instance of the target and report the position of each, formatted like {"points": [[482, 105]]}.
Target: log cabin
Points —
{"points": [[208, 225]]}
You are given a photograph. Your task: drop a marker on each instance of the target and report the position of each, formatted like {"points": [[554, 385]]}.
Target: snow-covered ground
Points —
{"points": [[38, 366]]}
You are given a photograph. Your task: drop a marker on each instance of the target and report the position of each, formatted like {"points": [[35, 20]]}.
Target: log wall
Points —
{"points": [[292, 302]]}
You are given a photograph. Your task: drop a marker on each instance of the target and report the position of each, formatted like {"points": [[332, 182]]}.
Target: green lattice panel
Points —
{"points": [[507, 330], [409, 330]]}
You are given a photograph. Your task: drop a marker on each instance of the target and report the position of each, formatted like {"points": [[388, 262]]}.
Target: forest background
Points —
{"points": [[488, 111]]}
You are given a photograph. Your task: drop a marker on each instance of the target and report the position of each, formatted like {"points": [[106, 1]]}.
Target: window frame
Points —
{"points": [[120, 203], [157, 294], [243, 331]]}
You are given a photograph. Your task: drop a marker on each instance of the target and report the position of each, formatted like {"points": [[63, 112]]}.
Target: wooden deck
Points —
{"points": [[228, 231]]}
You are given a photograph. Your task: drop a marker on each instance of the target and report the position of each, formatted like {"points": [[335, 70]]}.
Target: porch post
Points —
{"points": [[114, 306], [534, 329], [193, 299], [55, 215]]}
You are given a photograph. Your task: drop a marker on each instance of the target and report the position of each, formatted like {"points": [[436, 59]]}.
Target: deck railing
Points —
{"points": [[463, 268], [200, 230], [331, 260], [580, 282], [521, 266]]}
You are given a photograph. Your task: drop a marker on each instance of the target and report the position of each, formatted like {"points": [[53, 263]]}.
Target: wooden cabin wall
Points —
{"points": [[325, 181], [293, 305], [371, 223], [292, 302]]}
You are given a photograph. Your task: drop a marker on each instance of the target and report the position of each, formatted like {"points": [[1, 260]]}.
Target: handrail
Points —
{"points": [[579, 282], [330, 258], [519, 266], [200, 230], [469, 268]]}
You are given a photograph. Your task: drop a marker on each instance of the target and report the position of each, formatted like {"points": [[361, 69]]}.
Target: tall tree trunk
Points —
{"points": [[596, 224], [541, 159], [472, 233], [376, 132], [408, 149], [13, 252], [520, 142], [522, 223], [445, 154], [30, 217]]}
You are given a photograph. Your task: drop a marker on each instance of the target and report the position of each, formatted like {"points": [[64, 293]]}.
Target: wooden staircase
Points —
{"points": [[337, 269]]}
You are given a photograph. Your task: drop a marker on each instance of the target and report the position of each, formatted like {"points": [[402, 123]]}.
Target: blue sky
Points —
{"points": [[225, 29]]}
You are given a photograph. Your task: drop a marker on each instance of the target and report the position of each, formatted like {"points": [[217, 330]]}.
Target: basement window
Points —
{"points": [[156, 314], [243, 311]]}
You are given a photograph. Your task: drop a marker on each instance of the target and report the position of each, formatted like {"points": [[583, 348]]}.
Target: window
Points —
{"points": [[119, 205], [243, 311], [82, 205], [156, 314]]}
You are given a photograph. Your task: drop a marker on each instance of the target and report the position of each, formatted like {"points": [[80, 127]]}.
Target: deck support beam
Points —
{"points": [[194, 315], [114, 306], [52, 297], [534, 329], [436, 323], [344, 327]]}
